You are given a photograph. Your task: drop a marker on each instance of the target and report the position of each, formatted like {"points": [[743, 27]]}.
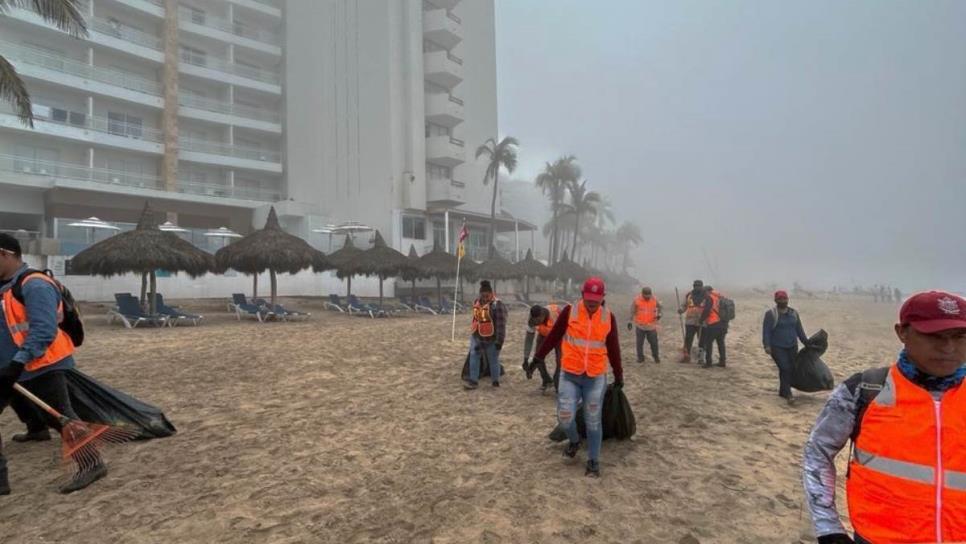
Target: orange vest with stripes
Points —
{"points": [[645, 314], [544, 328], [714, 316], [482, 324], [584, 346], [15, 314], [907, 476]]}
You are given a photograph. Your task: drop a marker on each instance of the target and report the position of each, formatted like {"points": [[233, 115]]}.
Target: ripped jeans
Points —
{"points": [[575, 388]]}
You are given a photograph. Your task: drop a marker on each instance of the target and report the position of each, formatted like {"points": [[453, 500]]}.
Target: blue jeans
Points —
{"points": [[492, 355], [576, 388], [785, 361]]}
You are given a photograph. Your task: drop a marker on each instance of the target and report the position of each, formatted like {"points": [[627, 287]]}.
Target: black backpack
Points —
{"points": [[726, 308], [867, 384], [71, 322]]}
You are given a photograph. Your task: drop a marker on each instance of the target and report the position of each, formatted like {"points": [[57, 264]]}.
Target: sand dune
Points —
{"points": [[353, 430]]}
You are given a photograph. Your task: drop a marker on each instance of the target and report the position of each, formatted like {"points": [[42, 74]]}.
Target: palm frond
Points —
{"points": [[13, 89], [64, 14]]}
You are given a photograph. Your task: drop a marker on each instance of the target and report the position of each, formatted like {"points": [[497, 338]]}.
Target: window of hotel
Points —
{"points": [[438, 172], [436, 130], [197, 15], [414, 228], [35, 160], [123, 124], [194, 56]]}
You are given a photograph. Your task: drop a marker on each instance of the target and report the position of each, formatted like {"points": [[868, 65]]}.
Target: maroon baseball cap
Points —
{"points": [[934, 311], [593, 289]]}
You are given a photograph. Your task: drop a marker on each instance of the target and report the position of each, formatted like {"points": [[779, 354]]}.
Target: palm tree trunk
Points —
{"points": [[573, 248], [274, 280], [153, 301], [492, 240], [554, 235]]}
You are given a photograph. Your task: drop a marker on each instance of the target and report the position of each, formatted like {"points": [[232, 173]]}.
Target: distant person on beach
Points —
{"points": [[645, 313], [35, 353], [897, 295], [538, 327], [781, 330], [713, 328], [692, 308], [587, 334], [906, 479], [488, 332]]}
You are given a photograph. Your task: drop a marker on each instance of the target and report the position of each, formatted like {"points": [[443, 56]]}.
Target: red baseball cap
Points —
{"points": [[593, 289], [934, 311], [781, 294]]}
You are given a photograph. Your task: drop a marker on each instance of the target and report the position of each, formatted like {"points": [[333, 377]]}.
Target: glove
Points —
{"points": [[11, 372], [629, 326], [526, 366], [768, 350], [837, 538], [619, 384], [680, 311], [499, 347], [534, 364]]}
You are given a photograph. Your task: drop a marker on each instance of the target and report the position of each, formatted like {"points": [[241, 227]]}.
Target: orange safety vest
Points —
{"points": [[713, 317], [544, 328], [584, 346], [645, 314], [907, 476], [483, 320], [692, 311], [15, 315]]}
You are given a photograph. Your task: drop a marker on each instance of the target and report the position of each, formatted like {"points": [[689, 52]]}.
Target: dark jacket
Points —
{"points": [[784, 333]]}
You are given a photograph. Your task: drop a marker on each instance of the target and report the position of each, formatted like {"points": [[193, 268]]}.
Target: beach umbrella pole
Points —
{"points": [[274, 279], [255, 285], [144, 289], [153, 303]]}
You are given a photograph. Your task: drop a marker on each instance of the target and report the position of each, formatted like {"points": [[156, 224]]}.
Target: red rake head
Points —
{"points": [[81, 440]]}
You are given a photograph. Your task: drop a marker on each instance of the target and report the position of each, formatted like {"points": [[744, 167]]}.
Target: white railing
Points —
{"points": [[104, 125], [220, 106], [224, 25], [40, 58], [224, 191], [241, 152], [222, 65], [125, 33]]}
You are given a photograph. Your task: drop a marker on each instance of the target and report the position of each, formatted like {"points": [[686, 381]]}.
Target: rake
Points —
{"points": [[80, 440]]}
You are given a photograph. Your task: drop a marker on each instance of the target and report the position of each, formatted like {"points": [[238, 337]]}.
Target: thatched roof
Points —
{"points": [[380, 260], [144, 249], [270, 248], [565, 269], [415, 270], [532, 268], [342, 258], [439, 263], [496, 268]]}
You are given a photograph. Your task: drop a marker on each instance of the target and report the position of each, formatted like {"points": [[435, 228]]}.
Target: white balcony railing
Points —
{"points": [[42, 59], [238, 29], [26, 166], [220, 106], [126, 33], [222, 65], [240, 152], [103, 125]]}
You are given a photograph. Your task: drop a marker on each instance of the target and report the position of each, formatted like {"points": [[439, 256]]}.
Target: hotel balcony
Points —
{"points": [[442, 27], [210, 26], [261, 6], [444, 109], [447, 193], [443, 68], [444, 4], [445, 151], [222, 71], [219, 111], [79, 127], [230, 156], [151, 7]]}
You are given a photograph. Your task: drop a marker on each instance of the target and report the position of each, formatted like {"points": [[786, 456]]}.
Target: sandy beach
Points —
{"points": [[344, 429]]}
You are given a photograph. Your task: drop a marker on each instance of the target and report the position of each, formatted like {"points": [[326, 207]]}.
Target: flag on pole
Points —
{"points": [[460, 251], [460, 246], [464, 233]]}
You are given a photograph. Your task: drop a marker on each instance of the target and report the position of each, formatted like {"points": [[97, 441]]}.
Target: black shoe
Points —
{"points": [[571, 450], [4, 482], [84, 478], [496, 384], [706, 365], [640, 359], [469, 385], [557, 434], [526, 370], [722, 364], [545, 385], [593, 469], [38, 436], [657, 360]]}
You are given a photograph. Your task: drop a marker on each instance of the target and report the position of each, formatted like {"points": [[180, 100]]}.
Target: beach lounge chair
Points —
{"points": [[355, 305], [285, 313], [174, 315], [129, 312], [406, 303], [447, 307], [241, 307], [335, 303], [236, 299], [425, 305]]}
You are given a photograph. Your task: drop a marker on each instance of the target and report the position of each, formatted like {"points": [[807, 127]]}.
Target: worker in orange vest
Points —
{"points": [[35, 352], [906, 480], [646, 312], [713, 328], [538, 327], [487, 333], [692, 308], [586, 332]]}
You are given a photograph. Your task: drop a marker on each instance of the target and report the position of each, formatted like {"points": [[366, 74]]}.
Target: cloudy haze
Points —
{"points": [[816, 141]]}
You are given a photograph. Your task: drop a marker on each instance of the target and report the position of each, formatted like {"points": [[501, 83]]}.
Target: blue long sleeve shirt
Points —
{"points": [[785, 332], [41, 300]]}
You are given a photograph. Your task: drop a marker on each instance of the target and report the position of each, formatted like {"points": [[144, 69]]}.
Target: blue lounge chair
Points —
{"points": [[335, 303], [243, 307], [285, 313], [355, 305], [406, 303], [426, 306], [130, 313], [447, 306], [174, 315]]}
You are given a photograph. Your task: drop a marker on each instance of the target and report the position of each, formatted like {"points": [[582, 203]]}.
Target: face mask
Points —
{"points": [[782, 305]]}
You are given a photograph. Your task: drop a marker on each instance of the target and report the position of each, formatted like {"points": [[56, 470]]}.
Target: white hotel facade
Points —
{"points": [[216, 110]]}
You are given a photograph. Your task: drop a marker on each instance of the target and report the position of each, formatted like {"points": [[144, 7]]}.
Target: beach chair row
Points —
{"points": [[129, 312], [353, 306], [262, 310]]}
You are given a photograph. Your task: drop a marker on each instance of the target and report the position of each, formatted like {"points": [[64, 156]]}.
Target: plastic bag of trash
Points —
{"points": [[811, 374], [617, 419], [98, 403], [484, 368]]}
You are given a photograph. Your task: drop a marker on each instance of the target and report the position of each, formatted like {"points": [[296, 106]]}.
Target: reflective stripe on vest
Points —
{"points": [[593, 344], [19, 327], [895, 467], [584, 346]]}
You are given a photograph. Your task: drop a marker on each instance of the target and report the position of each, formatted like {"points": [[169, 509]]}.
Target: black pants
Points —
{"points": [[785, 360], [651, 337], [715, 334], [690, 331], [545, 375]]}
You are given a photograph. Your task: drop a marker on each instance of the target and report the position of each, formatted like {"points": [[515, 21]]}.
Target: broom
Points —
{"points": [[79, 439]]}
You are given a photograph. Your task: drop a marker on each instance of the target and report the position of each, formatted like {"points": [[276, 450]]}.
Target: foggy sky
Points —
{"points": [[819, 141]]}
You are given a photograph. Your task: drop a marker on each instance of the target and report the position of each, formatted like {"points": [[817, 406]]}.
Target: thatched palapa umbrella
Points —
{"points": [[415, 270], [270, 249], [143, 250], [531, 268], [567, 270], [496, 268], [342, 259], [382, 261], [440, 264]]}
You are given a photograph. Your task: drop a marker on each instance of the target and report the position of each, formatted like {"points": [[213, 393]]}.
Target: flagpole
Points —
{"points": [[459, 259]]}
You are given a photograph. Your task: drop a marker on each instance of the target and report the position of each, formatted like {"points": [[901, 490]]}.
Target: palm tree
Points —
{"points": [[553, 181], [503, 154], [628, 234], [61, 13], [584, 204]]}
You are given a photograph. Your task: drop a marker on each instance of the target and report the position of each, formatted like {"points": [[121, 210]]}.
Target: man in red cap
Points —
{"points": [[586, 332], [781, 329], [906, 480]]}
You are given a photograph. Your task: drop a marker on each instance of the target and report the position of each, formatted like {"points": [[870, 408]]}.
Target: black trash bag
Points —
{"points": [[484, 368], [98, 403], [617, 420], [811, 374]]}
